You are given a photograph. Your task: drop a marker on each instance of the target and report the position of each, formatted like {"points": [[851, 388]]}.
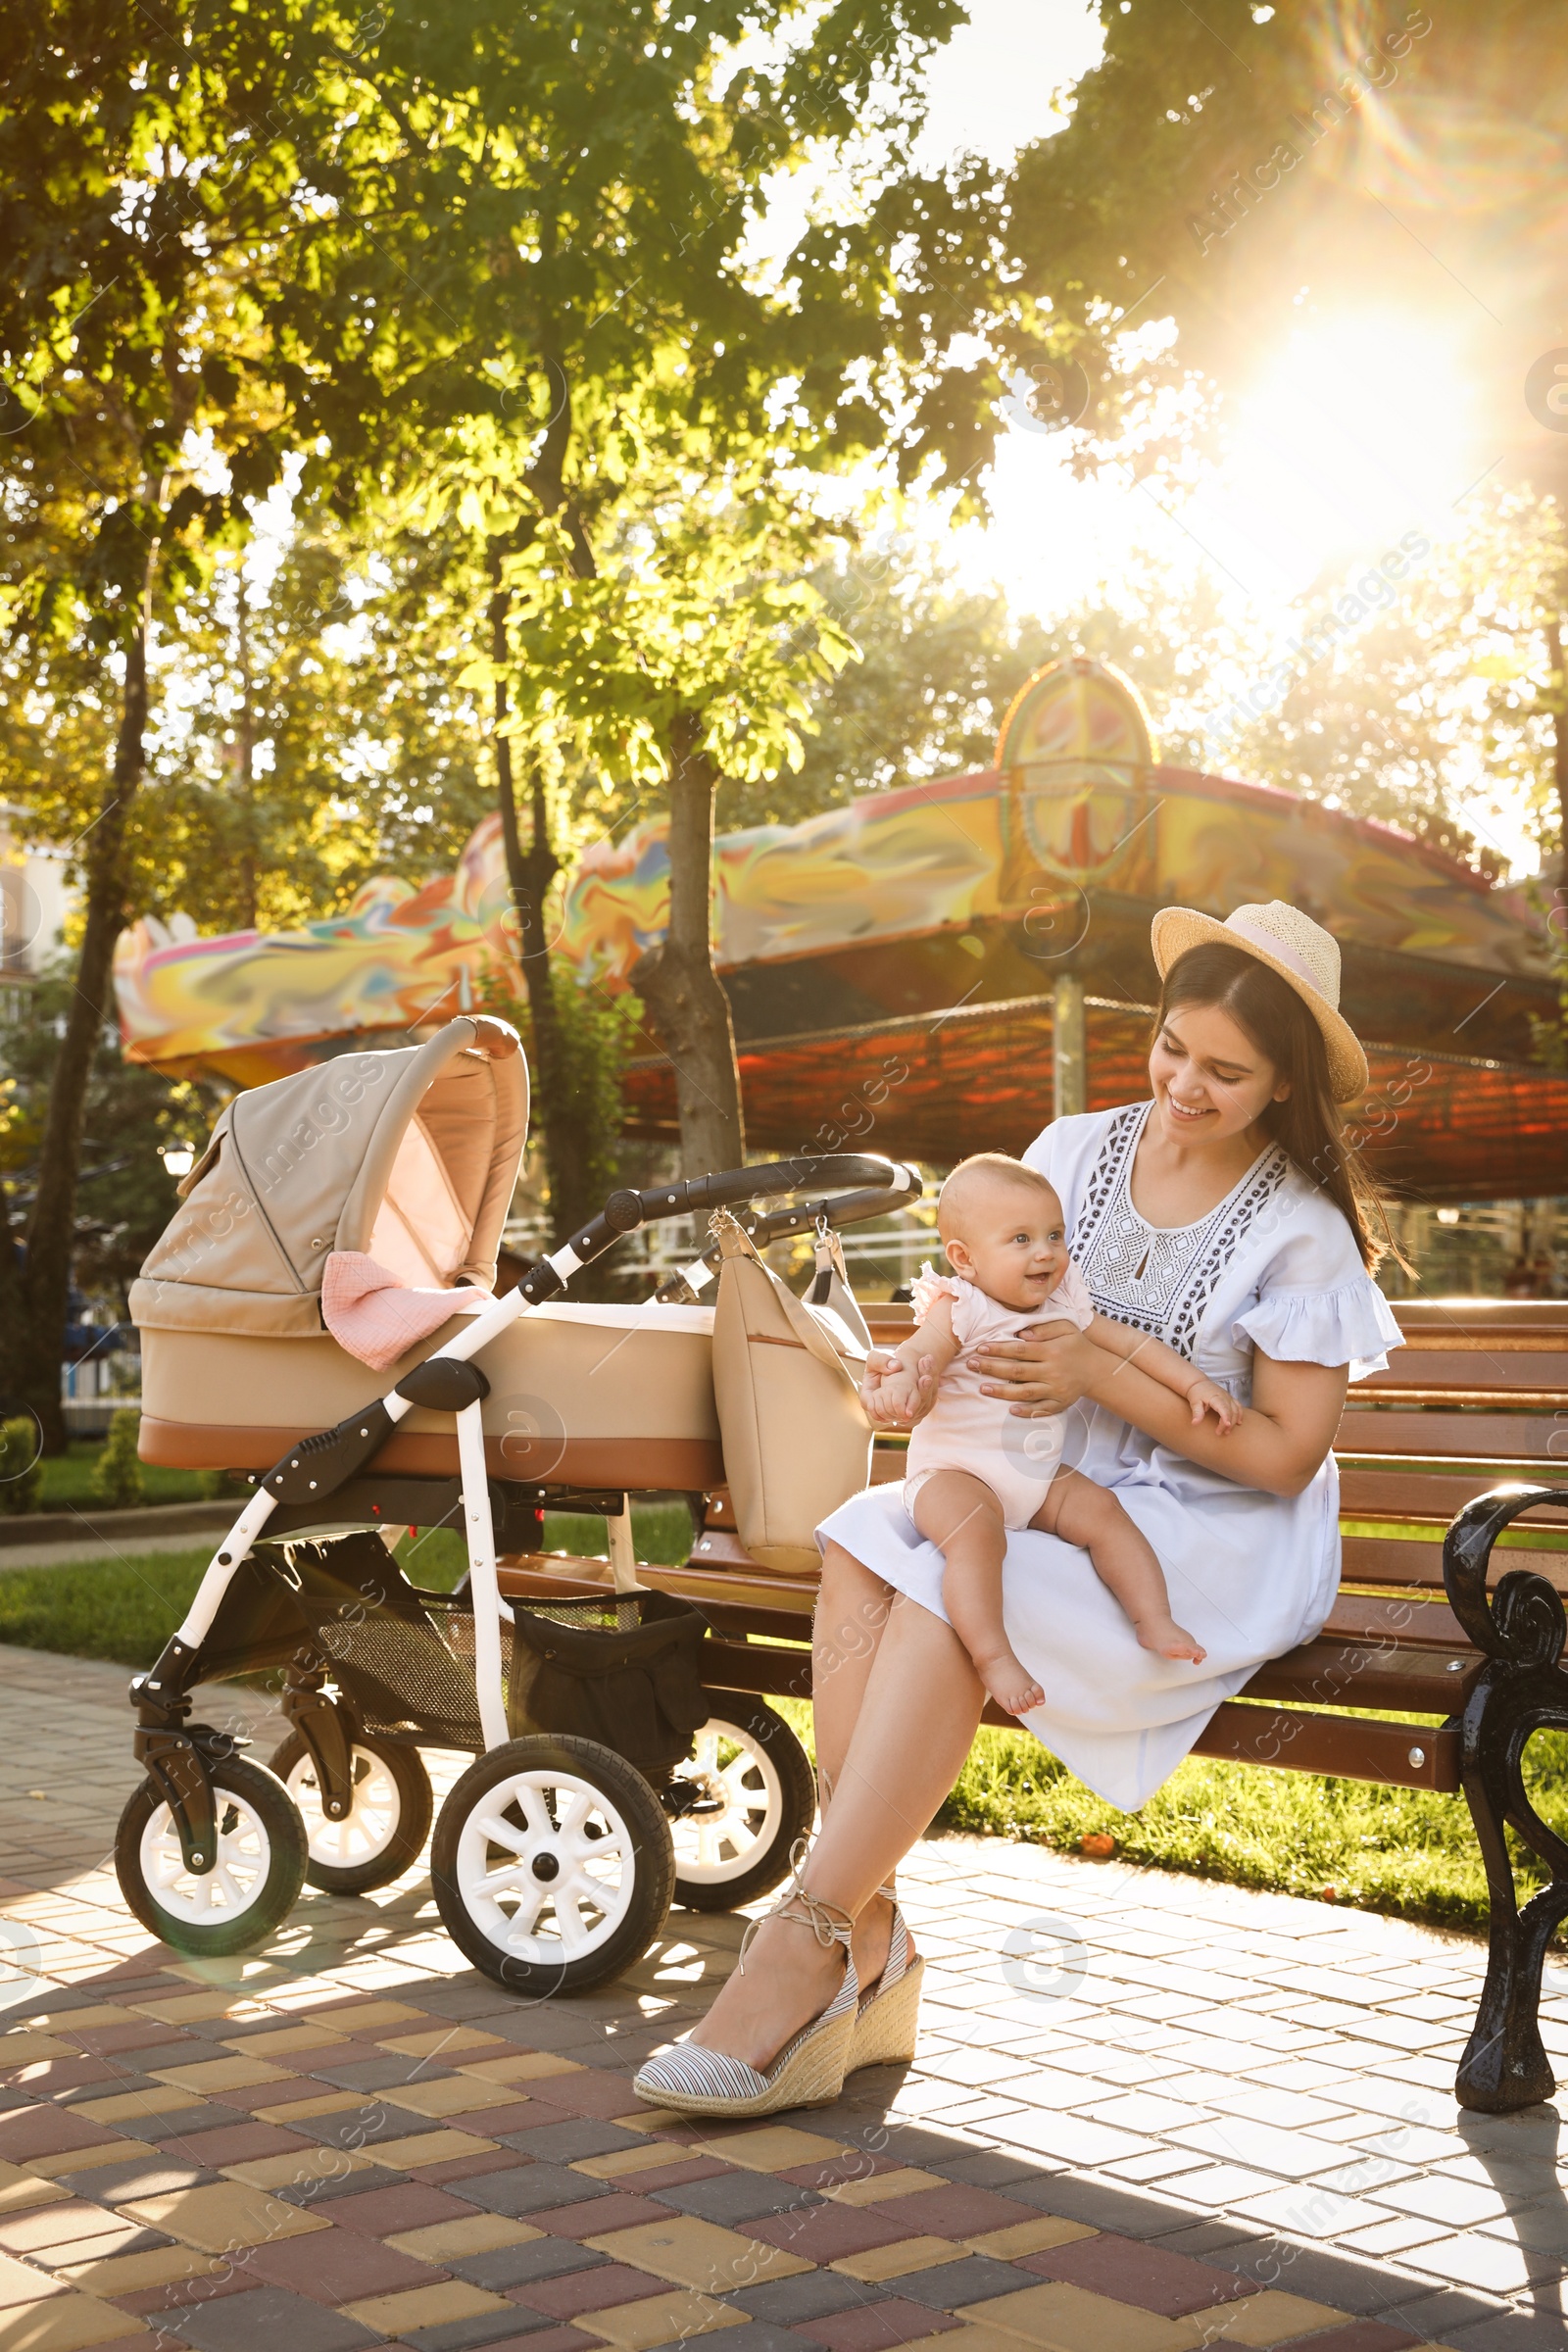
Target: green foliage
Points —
{"points": [[310, 738], [599, 1034], [20, 1469], [116, 1481], [67, 1479], [713, 615], [1391, 1851], [1394, 1851], [127, 1609], [126, 1197], [123, 1610]]}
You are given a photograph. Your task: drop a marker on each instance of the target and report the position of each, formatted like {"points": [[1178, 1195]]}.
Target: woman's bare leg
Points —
{"points": [[851, 1614], [917, 1721]]}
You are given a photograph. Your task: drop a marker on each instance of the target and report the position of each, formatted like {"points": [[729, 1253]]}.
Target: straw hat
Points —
{"points": [[1290, 944]]}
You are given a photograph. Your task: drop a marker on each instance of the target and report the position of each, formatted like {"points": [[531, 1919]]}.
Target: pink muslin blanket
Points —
{"points": [[371, 1313]]}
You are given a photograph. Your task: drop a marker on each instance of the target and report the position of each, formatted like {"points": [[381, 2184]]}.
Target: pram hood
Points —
{"points": [[409, 1155]]}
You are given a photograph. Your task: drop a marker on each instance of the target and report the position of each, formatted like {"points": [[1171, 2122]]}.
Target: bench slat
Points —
{"points": [[1473, 1366], [1405, 1617], [1390, 1560], [1454, 1436], [1348, 1747], [1387, 1489], [1328, 1673], [1539, 1321]]}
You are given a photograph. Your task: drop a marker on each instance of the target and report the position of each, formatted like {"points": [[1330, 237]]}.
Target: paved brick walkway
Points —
{"points": [[1147, 2114]]}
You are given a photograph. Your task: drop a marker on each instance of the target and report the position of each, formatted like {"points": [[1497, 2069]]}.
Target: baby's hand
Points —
{"points": [[1208, 1396], [890, 1391]]}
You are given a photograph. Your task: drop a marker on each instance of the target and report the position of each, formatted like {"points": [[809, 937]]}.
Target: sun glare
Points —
{"points": [[1356, 430]]}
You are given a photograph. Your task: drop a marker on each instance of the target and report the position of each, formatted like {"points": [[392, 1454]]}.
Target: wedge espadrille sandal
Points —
{"points": [[888, 2015], [809, 2071]]}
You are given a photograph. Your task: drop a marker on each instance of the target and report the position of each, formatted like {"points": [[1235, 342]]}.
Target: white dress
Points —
{"points": [[1274, 1267]]}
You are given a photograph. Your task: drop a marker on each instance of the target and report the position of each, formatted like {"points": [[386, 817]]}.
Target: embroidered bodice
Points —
{"points": [[1159, 1278]]}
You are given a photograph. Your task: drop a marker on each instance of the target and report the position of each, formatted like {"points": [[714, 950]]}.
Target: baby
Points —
{"points": [[976, 1469]]}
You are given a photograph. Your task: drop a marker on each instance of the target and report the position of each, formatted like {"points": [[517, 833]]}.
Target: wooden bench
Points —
{"points": [[1466, 1432]]}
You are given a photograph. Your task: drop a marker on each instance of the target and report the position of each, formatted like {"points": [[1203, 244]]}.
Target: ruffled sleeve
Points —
{"points": [[1316, 1303], [928, 1286]]}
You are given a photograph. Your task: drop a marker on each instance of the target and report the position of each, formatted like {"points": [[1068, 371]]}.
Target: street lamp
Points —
{"points": [[177, 1158]]}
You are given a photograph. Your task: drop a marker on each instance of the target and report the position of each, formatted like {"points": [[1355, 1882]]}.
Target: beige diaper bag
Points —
{"points": [[786, 1382]]}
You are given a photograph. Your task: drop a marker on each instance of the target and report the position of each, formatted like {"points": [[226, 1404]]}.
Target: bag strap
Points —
{"points": [[734, 1242]]}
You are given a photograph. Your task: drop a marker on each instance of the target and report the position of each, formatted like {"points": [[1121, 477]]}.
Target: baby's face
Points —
{"points": [[1011, 1241]]}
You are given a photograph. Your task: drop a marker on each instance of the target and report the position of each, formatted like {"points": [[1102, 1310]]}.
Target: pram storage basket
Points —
{"points": [[579, 1667]]}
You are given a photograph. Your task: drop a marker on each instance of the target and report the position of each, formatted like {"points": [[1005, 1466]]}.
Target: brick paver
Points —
{"points": [[1145, 2111]]}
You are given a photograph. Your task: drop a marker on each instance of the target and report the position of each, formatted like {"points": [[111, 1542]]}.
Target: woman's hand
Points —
{"points": [[1040, 1375]]}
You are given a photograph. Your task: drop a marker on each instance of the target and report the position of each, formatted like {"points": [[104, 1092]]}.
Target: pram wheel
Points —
{"points": [[739, 1802], [552, 1865], [253, 1885], [383, 1834]]}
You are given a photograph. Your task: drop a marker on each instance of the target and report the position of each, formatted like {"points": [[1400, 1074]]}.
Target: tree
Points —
{"points": [[126, 1197], [686, 663], [1224, 172], [311, 735], [163, 183], [614, 180]]}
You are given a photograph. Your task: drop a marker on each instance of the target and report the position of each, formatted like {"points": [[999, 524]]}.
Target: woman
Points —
{"points": [[1228, 1217]]}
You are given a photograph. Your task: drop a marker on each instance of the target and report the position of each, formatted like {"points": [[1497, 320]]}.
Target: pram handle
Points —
{"points": [[871, 1176]]}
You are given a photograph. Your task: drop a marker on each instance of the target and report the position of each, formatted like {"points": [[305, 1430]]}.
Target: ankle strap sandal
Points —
{"points": [[810, 2070], [888, 2015]]}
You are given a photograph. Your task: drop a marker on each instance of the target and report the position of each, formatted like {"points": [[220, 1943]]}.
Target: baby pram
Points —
{"points": [[553, 1860]]}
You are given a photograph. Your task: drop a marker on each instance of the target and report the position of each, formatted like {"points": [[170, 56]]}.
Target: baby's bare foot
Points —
{"points": [[1170, 1639], [1008, 1683]]}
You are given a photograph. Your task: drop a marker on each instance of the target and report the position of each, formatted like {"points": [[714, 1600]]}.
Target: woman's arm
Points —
{"points": [[1278, 1445], [1162, 1363]]}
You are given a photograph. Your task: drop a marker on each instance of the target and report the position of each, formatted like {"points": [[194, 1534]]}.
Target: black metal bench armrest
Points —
{"points": [[1522, 1621]]}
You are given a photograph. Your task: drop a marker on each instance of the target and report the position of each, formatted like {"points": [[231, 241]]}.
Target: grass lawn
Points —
{"points": [[1377, 1849], [127, 1609], [1398, 1850], [67, 1479]]}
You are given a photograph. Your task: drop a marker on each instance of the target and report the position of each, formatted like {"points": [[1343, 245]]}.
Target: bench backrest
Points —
{"points": [[1476, 1397]]}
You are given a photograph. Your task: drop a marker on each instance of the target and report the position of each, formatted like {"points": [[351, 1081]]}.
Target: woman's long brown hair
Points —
{"points": [[1308, 1122]]}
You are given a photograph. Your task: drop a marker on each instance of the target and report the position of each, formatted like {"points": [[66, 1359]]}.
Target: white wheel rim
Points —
{"points": [[743, 1805], [226, 1892], [370, 1823], [545, 1867]]}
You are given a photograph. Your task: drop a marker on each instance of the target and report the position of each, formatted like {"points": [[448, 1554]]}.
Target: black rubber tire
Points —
{"points": [[273, 1808], [614, 1782], [415, 1805], [749, 1715]]}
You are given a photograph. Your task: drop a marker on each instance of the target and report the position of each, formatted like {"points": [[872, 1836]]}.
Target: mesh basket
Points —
{"points": [[623, 1669], [403, 1659]]}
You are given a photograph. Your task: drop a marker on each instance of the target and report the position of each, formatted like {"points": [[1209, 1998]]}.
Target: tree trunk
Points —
{"points": [[568, 1146], [13, 1306], [246, 764], [1559, 741], [51, 1229], [676, 980]]}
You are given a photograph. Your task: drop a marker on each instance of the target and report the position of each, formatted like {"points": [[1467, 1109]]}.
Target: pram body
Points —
{"points": [[554, 1860]]}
